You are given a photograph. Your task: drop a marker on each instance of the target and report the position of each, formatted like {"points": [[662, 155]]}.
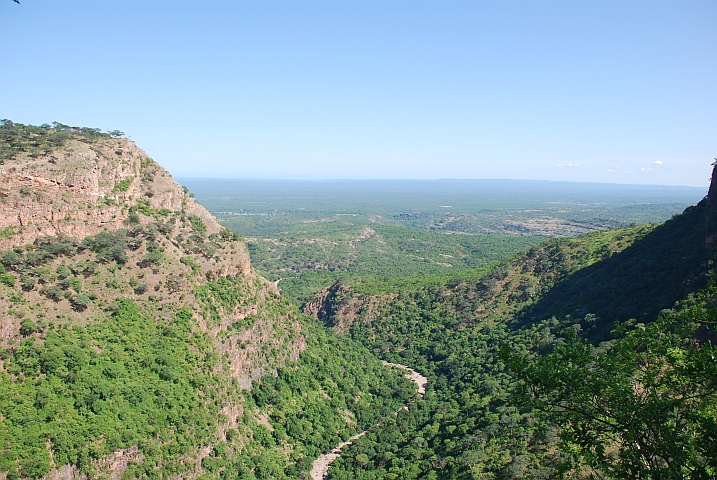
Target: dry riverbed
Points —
{"points": [[320, 468]]}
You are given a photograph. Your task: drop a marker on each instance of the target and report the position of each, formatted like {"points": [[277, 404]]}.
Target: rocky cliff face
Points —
{"points": [[84, 189], [109, 185], [90, 226]]}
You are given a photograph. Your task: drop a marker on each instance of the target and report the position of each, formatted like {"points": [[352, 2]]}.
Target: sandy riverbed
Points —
{"points": [[320, 468]]}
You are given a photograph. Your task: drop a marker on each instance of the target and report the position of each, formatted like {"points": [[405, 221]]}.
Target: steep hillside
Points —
{"points": [[467, 426], [132, 328]]}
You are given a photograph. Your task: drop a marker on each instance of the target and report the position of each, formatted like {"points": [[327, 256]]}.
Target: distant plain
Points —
{"points": [[308, 234]]}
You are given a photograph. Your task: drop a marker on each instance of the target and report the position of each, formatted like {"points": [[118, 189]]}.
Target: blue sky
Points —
{"points": [[609, 91]]}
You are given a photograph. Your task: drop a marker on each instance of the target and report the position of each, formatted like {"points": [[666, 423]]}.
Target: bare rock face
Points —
{"points": [[84, 189], [339, 307]]}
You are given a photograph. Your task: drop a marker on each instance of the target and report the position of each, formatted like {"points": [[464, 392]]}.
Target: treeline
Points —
{"points": [[17, 138]]}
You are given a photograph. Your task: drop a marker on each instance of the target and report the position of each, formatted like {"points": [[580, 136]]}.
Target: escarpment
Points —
{"points": [[85, 188], [88, 198], [124, 300]]}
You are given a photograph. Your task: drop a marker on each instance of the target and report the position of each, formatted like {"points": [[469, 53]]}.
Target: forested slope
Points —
{"points": [[136, 340], [462, 333], [658, 269]]}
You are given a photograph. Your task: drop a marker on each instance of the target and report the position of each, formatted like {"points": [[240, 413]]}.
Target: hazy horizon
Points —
{"points": [[209, 177]]}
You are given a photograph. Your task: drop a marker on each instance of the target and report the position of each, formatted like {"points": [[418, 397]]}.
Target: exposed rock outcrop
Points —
{"points": [[84, 189]]}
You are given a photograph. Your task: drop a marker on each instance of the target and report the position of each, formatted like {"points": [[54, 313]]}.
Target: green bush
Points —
{"points": [[63, 272], [10, 231], [133, 218], [80, 302], [53, 292], [11, 258], [7, 279], [28, 282], [198, 225], [122, 185], [27, 327], [151, 259], [95, 389]]}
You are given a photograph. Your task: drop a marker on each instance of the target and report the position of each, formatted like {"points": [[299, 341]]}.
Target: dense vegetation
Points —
{"points": [[131, 351], [137, 380], [88, 391], [475, 423], [646, 407], [308, 259], [336, 389], [664, 266], [130, 380]]}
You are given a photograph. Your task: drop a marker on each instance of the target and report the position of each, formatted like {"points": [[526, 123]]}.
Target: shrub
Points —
{"points": [[9, 231], [37, 258], [152, 258], [59, 248], [63, 272], [53, 292], [35, 467], [27, 327], [45, 275], [90, 268], [108, 201], [7, 279], [174, 283], [11, 258], [28, 283], [80, 302], [165, 228], [117, 254], [74, 283], [122, 185], [133, 218], [198, 225]]}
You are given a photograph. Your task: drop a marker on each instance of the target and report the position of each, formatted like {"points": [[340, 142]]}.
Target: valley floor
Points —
{"points": [[321, 465]]}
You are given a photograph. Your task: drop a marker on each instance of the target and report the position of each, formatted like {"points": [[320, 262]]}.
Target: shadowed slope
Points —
{"points": [[652, 274]]}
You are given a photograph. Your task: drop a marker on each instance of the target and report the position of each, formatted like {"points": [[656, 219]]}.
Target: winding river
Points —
{"points": [[320, 468]]}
